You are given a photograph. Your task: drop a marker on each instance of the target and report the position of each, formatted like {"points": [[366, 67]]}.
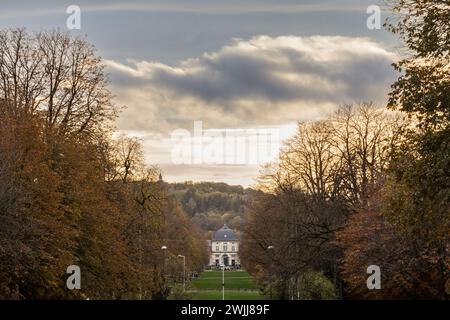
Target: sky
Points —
{"points": [[214, 87]]}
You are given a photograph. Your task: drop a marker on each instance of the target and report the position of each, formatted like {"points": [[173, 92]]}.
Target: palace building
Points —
{"points": [[224, 248]]}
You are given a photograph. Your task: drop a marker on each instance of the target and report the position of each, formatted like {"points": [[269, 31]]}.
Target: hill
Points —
{"points": [[209, 204]]}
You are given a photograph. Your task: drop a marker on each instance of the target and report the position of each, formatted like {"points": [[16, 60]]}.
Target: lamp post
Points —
{"points": [[270, 249], [223, 282], [184, 271], [164, 249]]}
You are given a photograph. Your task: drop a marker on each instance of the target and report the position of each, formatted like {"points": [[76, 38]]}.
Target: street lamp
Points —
{"points": [[184, 271], [270, 249], [223, 282], [164, 249]]}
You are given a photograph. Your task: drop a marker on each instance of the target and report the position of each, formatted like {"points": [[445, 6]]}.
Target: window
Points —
{"points": [[225, 247], [233, 248], [217, 248]]}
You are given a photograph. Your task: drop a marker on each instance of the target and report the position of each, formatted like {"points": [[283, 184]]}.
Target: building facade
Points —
{"points": [[224, 248]]}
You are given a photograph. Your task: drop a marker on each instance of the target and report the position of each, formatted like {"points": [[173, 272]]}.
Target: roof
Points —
{"points": [[224, 234]]}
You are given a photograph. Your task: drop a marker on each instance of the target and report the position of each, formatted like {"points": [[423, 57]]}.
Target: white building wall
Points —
{"points": [[221, 248]]}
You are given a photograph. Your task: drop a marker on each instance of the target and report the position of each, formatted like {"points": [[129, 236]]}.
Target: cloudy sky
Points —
{"points": [[199, 76]]}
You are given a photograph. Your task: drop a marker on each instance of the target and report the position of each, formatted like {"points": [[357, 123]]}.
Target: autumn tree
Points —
{"points": [[71, 194], [287, 235], [404, 226], [36, 241], [323, 175], [371, 239], [419, 185], [56, 75], [364, 136]]}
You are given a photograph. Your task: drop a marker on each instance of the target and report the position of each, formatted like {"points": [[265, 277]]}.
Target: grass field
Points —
{"points": [[238, 286], [212, 280], [229, 295]]}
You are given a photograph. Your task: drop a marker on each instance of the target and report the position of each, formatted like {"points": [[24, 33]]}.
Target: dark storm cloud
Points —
{"points": [[253, 80], [256, 82]]}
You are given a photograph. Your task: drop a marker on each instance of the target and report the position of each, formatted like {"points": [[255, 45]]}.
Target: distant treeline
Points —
{"points": [[210, 204]]}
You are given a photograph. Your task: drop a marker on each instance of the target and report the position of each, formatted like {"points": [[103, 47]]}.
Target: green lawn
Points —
{"points": [[229, 295], [238, 286], [212, 280]]}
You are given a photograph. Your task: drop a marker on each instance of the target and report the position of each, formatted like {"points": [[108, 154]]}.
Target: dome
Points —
{"points": [[224, 234]]}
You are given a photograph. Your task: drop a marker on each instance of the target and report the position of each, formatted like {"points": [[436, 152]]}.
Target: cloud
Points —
{"points": [[261, 81]]}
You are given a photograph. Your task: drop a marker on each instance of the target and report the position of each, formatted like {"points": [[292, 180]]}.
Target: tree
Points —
{"points": [[324, 174], [404, 225], [36, 241], [364, 135], [342, 156], [408, 271], [70, 193], [56, 75], [288, 234], [419, 179]]}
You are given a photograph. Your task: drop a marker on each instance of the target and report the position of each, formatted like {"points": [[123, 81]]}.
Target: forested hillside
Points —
{"points": [[211, 204]]}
